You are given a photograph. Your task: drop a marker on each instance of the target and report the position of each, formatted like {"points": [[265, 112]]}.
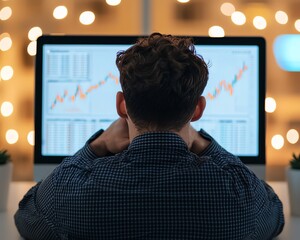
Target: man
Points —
{"points": [[150, 175]]}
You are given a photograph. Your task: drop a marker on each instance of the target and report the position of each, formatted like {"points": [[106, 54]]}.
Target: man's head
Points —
{"points": [[162, 79]]}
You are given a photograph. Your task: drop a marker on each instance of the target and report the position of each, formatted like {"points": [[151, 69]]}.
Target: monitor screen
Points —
{"points": [[77, 81]]}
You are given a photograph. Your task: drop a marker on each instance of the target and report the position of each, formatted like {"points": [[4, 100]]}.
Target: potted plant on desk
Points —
{"points": [[293, 179], [5, 178]]}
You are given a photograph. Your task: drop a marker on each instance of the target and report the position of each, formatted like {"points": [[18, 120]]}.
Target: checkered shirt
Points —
{"points": [[156, 189]]}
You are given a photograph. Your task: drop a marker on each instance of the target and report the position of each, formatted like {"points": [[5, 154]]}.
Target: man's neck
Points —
{"points": [[186, 133]]}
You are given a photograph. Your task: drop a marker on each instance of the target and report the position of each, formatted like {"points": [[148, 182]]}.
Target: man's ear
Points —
{"points": [[121, 105], [199, 109]]}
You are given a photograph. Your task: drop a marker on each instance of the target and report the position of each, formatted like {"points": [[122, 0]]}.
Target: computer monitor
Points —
{"points": [[77, 81]]}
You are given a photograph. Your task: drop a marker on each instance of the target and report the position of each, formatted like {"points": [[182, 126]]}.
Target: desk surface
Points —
{"points": [[8, 230]]}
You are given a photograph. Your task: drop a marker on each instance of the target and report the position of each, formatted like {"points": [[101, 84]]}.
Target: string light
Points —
{"points": [[7, 73], [12, 136], [238, 18], [216, 31], [87, 18], [5, 13], [259, 22], [227, 9], [34, 33], [30, 138], [113, 2], [277, 141], [5, 43], [183, 1], [297, 25], [60, 12], [292, 136], [31, 48], [270, 105], [281, 17], [7, 109]]}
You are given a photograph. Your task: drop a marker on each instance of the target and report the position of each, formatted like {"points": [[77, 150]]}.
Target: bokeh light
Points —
{"points": [[292, 136], [6, 109], [5, 43], [259, 22], [297, 25], [183, 1], [31, 48], [60, 12], [281, 17], [114, 2], [216, 31], [277, 141], [87, 18], [238, 18], [270, 105], [34, 33], [5, 13], [11, 136], [227, 9], [6, 73], [30, 138]]}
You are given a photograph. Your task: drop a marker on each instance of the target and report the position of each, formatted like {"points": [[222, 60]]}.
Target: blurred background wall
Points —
{"points": [[22, 21]]}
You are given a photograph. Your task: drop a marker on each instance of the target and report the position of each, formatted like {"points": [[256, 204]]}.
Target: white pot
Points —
{"points": [[293, 179], [5, 178]]}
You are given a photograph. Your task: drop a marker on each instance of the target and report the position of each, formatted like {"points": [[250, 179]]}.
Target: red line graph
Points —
{"points": [[80, 93]]}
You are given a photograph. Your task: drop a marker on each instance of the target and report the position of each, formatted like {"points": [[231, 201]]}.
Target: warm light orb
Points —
{"points": [[7, 109], [5, 44], [183, 1], [277, 141], [34, 33], [297, 25], [270, 105], [216, 31], [11, 136], [60, 12], [87, 18], [30, 138], [281, 17], [113, 2], [5, 13], [238, 18], [259, 22], [31, 48], [6, 73], [292, 136], [227, 9]]}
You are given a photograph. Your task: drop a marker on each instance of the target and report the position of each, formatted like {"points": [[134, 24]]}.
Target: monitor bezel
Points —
{"points": [[117, 39]]}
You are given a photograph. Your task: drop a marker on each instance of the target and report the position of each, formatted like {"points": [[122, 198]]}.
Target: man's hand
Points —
{"points": [[196, 142], [113, 140]]}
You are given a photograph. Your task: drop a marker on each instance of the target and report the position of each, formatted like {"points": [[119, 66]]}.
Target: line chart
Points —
{"points": [[80, 93], [223, 85]]}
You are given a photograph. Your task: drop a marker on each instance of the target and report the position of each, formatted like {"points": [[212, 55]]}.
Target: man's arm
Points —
{"points": [[269, 209], [267, 206], [34, 218], [113, 140]]}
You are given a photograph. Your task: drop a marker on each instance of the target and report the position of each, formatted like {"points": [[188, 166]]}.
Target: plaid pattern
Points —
{"points": [[157, 189]]}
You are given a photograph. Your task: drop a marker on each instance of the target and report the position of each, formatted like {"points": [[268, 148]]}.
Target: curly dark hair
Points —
{"points": [[162, 79]]}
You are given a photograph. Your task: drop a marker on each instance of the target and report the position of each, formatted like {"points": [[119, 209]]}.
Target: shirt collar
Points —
{"points": [[158, 140]]}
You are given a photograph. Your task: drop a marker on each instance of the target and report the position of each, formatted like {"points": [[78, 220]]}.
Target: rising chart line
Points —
{"points": [[79, 92], [227, 86]]}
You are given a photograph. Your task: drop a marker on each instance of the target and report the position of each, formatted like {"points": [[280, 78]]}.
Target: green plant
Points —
{"points": [[4, 157], [295, 162]]}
